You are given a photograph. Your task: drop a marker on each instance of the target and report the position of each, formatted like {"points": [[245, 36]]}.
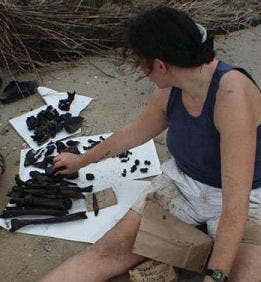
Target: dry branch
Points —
{"points": [[33, 33]]}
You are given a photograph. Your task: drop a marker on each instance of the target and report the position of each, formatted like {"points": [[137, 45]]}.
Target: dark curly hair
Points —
{"points": [[169, 35]]}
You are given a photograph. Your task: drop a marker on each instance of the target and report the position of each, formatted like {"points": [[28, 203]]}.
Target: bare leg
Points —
{"points": [[247, 266], [108, 257]]}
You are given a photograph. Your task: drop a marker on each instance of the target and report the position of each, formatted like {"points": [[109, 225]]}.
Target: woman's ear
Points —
{"points": [[160, 66]]}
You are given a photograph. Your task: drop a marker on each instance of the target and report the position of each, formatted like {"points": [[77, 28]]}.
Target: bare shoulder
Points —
{"points": [[237, 94], [238, 82], [160, 98]]}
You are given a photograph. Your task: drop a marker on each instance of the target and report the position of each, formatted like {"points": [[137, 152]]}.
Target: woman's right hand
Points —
{"points": [[67, 163]]}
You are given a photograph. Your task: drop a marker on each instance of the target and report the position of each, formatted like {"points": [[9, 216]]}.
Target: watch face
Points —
{"points": [[218, 275]]}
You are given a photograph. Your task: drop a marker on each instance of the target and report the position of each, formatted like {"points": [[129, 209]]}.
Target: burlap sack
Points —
{"points": [[152, 271]]}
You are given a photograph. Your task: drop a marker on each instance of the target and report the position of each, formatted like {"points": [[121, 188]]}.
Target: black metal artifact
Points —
{"points": [[133, 168], [91, 141], [49, 159], [124, 172], [89, 176], [95, 204], [125, 155], [50, 189], [60, 146], [72, 124], [32, 156], [137, 162], [146, 162], [52, 193], [72, 150], [72, 176], [21, 211], [18, 180], [42, 182], [32, 201], [89, 147], [49, 149], [47, 123], [144, 170], [31, 123], [64, 104], [72, 143], [125, 160], [93, 144], [50, 171], [43, 179], [44, 124], [63, 117], [43, 195], [19, 223], [42, 165], [77, 189]]}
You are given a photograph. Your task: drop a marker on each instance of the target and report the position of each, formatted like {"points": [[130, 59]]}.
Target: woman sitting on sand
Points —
{"points": [[212, 111]]}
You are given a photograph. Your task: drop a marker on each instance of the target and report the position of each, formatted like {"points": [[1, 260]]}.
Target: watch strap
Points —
{"points": [[215, 273]]}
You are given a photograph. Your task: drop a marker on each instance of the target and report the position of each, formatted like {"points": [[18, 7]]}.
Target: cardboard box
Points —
{"points": [[165, 238], [105, 198], [151, 271]]}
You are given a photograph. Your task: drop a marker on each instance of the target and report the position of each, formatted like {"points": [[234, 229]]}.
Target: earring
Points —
{"points": [[200, 69]]}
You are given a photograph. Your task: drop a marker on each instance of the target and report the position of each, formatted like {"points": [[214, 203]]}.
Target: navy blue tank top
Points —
{"points": [[194, 142]]}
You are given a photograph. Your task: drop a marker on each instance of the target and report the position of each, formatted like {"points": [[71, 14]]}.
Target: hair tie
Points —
{"points": [[203, 32]]}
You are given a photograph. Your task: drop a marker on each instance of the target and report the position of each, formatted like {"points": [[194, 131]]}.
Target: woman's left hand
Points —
{"points": [[67, 163]]}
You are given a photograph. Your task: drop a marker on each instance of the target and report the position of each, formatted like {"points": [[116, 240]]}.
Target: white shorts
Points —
{"points": [[192, 201]]}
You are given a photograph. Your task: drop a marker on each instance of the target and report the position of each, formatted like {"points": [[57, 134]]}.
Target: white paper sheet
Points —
{"points": [[108, 171], [51, 97], [94, 227], [19, 124]]}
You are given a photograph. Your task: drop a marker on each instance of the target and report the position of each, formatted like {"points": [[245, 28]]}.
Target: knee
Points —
{"points": [[247, 265], [119, 239], [113, 246]]}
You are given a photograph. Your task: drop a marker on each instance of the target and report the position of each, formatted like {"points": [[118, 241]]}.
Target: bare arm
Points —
{"points": [[236, 120], [148, 125]]}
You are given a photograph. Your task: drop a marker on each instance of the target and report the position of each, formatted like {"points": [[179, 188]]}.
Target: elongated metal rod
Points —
{"points": [[19, 223], [31, 201], [53, 187], [20, 212], [59, 193], [95, 204]]}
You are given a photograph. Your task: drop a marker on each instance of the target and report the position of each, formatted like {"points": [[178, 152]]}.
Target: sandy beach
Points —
{"points": [[116, 101]]}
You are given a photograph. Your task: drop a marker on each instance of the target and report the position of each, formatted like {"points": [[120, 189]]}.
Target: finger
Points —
{"points": [[57, 158], [61, 172], [58, 165]]}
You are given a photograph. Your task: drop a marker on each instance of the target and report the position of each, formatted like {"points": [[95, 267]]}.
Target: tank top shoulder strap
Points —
{"points": [[174, 98], [221, 69]]}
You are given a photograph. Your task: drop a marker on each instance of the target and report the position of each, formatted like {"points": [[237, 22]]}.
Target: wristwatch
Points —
{"points": [[216, 274]]}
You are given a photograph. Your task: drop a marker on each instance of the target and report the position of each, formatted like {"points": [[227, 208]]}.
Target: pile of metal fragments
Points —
{"points": [[47, 123], [43, 195]]}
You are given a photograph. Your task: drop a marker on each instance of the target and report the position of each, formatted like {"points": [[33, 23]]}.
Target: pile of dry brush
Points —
{"points": [[33, 33]]}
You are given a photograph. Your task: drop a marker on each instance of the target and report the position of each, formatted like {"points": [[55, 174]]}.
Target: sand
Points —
{"points": [[117, 100]]}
